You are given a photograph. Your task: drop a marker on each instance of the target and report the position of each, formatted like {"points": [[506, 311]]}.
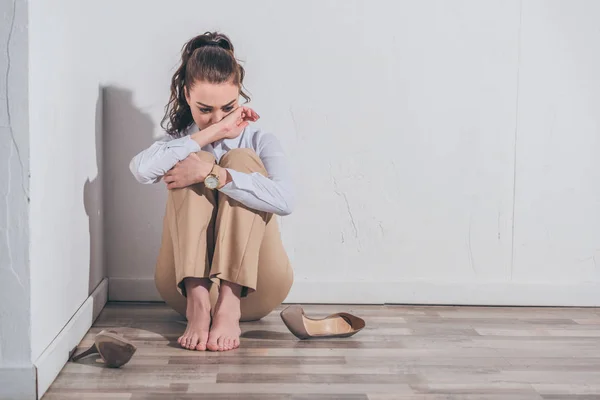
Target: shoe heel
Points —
{"points": [[292, 318]]}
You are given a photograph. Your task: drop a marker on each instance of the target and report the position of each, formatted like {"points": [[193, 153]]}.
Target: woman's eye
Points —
{"points": [[205, 110], [228, 109]]}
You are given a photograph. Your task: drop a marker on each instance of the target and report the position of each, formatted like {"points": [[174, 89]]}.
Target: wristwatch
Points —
{"points": [[212, 179]]}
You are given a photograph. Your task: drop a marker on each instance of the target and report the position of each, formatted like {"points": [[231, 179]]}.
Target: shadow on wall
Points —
{"points": [[92, 201], [133, 212]]}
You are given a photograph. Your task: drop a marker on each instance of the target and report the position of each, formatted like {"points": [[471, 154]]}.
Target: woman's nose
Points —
{"points": [[217, 116]]}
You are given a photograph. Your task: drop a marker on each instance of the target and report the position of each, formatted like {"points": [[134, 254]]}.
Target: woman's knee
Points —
{"points": [[196, 194], [238, 155], [243, 160], [206, 156]]}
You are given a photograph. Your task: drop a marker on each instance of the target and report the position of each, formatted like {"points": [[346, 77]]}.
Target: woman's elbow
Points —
{"points": [[140, 173], [287, 207], [284, 212]]}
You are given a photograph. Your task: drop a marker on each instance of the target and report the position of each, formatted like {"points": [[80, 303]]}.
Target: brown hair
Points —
{"points": [[208, 57]]}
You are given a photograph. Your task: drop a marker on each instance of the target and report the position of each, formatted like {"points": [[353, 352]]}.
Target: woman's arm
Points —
{"points": [[275, 193], [151, 164]]}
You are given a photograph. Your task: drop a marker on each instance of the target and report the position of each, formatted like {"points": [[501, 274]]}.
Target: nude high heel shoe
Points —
{"points": [[115, 350], [338, 325]]}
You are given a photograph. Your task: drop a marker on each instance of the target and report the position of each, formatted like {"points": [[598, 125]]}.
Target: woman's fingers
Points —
{"points": [[169, 180], [249, 114], [253, 115], [240, 112]]}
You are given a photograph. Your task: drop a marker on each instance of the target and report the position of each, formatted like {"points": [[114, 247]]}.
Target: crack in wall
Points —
{"points": [[337, 191], [7, 100], [16, 149], [342, 194], [349, 212], [6, 200]]}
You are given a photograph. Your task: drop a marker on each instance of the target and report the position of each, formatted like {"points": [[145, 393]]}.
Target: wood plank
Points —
{"points": [[427, 353]]}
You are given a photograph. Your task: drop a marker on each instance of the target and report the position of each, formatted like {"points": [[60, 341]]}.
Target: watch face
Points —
{"points": [[211, 182]]}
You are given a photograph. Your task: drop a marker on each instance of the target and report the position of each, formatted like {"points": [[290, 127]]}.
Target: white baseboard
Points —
{"points": [[410, 292], [56, 355], [132, 289], [448, 293]]}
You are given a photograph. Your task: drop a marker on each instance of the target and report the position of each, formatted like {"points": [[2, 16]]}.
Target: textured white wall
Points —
{"points": [[65, 123], [404, 122], [557, 205], [17, 375]]}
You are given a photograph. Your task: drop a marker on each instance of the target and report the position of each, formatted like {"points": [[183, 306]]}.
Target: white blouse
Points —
{"points": [[273, 194]]}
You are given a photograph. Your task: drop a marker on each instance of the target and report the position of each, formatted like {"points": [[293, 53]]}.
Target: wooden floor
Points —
{"points": [[403, 353]]}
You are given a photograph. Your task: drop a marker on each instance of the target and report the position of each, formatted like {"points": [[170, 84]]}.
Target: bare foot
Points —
{"points": [[197, 313], [225, 332]]}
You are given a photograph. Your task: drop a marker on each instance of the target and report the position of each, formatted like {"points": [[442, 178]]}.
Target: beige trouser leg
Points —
{"points": [[206, 234]]}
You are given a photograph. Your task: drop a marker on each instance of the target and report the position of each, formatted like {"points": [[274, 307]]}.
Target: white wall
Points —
{"points": [[65, 106], [52, 274], [557, 208], [17, 374], [443, 149]]}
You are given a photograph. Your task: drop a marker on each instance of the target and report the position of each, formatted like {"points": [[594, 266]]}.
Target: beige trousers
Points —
{"points": [[207, 234]]}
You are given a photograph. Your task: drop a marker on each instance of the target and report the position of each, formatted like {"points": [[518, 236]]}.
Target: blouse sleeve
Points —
{"points": [[274, 193], [151, 164]]}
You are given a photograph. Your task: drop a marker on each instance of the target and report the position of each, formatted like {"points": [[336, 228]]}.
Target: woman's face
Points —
{"points": [[211, 102]]}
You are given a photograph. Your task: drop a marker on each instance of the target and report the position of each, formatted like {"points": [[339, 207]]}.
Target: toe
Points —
{"points": [[194, 341], [227, 344], [212, 344], [201, 346], [220, 343], [236, 343], [202, 341], [183, 341]]}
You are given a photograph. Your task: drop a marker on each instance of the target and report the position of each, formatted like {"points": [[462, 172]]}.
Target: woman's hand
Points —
{"points": [[188, 172], [234, 123]]}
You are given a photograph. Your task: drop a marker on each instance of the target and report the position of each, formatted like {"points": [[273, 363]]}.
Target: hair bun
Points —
{"points": [[208, 39]]}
